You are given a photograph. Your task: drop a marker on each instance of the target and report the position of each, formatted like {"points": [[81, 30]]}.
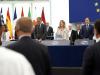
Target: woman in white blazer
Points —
{"points": [[62, 31]]}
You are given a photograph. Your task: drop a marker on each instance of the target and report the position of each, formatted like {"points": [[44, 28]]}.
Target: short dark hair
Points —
{"points": [[24, 24], [39, 18], [0, 21], [97, 26]]}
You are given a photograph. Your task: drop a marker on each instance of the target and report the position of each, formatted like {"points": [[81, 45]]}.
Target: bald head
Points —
{"points": [[24, 24]]}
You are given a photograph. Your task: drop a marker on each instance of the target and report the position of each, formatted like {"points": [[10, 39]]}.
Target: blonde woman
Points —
{"points": [[62, 31]]}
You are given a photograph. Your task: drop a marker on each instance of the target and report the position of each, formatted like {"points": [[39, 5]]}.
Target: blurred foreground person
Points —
{"points": [[13, 63], [36, 53], [91, 58]]}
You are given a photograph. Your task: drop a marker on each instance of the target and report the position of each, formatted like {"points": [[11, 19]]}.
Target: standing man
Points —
{"points": [[49, 32], [72, 34], [87, 30], [78, 31], [36, 53], [91, 58], [40, 30]]}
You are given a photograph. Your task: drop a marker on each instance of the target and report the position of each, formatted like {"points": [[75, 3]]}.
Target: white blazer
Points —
{"points": [[63, 33]]}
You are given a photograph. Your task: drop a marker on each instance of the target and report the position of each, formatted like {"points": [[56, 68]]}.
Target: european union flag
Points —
{"points": [[80, 9], [1, 18], [15, 14]]}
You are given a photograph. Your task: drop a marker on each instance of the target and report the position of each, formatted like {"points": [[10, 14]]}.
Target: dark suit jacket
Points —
{"points": [[87, 33], [91, 60], [49, 33], [40, 32], [32, 35], [78, 35], [36, 54], [73, 36]]}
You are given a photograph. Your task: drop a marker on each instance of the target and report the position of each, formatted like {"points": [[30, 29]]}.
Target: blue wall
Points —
{"points": [[79, 9]]}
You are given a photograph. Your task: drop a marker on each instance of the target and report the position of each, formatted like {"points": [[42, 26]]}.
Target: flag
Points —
{"points": [[43, 16], [15, 15], [80, 9], [8, 22], [22, 13], [1, 11], [2, 18], [29, 13]]}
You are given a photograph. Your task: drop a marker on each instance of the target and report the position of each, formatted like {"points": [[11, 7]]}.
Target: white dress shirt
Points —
{"points": [[13, 63], [78, 31], [69, 33], [47, 28], [96, 39]]}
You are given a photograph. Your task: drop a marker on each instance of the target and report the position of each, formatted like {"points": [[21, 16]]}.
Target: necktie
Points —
{"points": [[40, 26], [87, 27]]}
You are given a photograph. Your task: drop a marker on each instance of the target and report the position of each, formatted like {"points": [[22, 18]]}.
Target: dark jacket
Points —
{"points": [[78, 35], [36, 53], [87, 33], [91, 60], [49, 33], [73, 35], [40, 32]]}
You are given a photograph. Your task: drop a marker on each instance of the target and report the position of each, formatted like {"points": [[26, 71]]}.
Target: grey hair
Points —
{"points": [[24, 24]]}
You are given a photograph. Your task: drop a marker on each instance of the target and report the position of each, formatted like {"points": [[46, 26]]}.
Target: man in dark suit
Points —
{"points": [[91, 58], [40, 30], [49, 32], [36, 53], [72, 34], [78, 31], [87, 30]]}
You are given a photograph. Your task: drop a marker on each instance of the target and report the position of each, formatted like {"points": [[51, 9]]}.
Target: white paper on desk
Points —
{"points": [[84, 42]]}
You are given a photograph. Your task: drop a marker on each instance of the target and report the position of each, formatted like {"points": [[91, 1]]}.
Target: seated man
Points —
{"points": [[36, 53], [72, 34], [49, 32], [78, 27]]}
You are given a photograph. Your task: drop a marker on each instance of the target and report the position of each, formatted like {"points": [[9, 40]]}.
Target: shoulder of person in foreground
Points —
{"points": [[39, 44], [45, 54], [88, 59], [13, 63], [11, 44]]}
